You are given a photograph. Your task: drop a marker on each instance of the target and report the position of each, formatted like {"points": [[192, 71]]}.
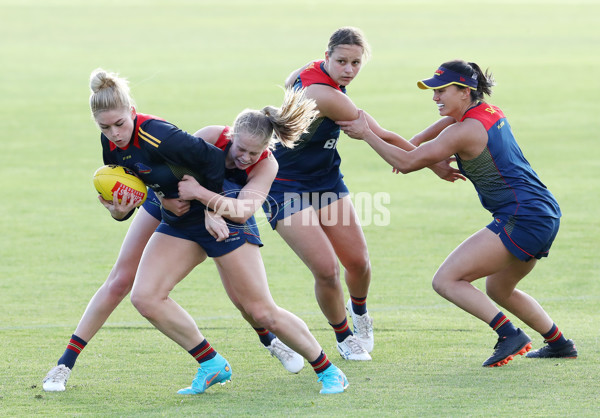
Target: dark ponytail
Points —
{"points": [[485, 81]]}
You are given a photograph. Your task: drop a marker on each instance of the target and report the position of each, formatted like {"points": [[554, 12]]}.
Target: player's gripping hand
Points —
{"points": [[189, 188], [216, 226], [120, 210], [445, 171], [176, 206]]}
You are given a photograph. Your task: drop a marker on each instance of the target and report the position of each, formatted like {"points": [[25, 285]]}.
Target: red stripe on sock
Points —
{"points": [[75, 346], [358, 301], [500, 322], [342, 329], [203, 352], [261, 331], [318, 367], [554, 336]]}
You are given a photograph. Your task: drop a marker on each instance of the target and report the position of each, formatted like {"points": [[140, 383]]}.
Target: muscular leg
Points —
{"points": [[120, 280], [165, 262], [480, 255], [501, 288], [245, 280], [347, 238], [106, 299], [304, 234]]}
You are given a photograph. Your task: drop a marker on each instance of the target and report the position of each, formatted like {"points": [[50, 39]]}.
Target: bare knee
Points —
{"points": [[358, 265], [497, 294], [327, 275], [441, 285], [263, 314], [119, 283], [144, 303]]}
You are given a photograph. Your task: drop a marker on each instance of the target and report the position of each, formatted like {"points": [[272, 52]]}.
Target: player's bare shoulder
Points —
{"points": [[332, 103], [210, 133], [468, 137]]}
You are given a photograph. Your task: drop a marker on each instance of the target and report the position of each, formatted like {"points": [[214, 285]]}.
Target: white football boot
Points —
{"points": [[292, 361], [350, 349], [363, 328], [56, 379]]}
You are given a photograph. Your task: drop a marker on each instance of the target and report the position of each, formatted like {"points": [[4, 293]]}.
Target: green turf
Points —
{"points": [[201, 62]]}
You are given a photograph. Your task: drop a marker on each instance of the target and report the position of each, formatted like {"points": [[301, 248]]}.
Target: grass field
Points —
{"points": [[197, 63]]}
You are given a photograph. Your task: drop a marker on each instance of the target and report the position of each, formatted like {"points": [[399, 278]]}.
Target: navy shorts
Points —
{"points": [[238, 235], [283, 202], [526, 237], [152, 204]]}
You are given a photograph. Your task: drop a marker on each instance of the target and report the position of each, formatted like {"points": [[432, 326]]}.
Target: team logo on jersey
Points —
{"points": [[142, 169]]}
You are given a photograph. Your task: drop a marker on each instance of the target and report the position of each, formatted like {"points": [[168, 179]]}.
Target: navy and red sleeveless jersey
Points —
{"points": [[504, 180], [160, 154], [315, 156]]}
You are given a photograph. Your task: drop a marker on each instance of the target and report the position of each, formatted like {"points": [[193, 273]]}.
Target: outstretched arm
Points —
{"points": [[401, 159], [441, 168], [432, 131], [388, 136]]}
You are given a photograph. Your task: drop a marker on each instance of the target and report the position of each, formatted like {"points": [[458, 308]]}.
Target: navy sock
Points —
{"points": [[74, 347], [342, 330], [554, 337], [359, 305], [265, 336], [321, 364], [203, 352], [502, 325]]}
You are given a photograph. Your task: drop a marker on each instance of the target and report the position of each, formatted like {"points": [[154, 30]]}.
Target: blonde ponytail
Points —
{"points": [[288, 122], [294, 117]]}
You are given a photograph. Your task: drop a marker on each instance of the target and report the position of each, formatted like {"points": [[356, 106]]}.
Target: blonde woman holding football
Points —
{"points": [[139, 141]]}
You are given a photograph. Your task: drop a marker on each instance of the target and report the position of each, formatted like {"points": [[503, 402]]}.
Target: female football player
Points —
{"points": [[525, 214], [160, 154], [310, 207]]}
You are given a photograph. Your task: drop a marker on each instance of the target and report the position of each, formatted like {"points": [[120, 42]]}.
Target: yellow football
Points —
{"points": [[115, 178]]}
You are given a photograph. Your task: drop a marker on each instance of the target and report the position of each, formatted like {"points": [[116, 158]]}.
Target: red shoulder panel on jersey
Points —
{"points": [[486, 114], [314, 74], [223, 139], [139, 119]]}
